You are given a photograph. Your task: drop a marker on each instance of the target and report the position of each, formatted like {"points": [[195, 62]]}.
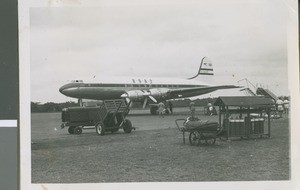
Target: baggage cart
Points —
{"points": [[110, 116]]}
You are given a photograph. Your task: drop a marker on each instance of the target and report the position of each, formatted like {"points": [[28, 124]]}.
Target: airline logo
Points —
{"points": [[206, 68]]}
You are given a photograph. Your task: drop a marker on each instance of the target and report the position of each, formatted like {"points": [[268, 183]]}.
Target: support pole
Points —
{"points": [[227, 122], [269, 123], [220, 117]]}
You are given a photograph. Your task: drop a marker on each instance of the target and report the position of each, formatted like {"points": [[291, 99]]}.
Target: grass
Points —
{"points": [[153, 155]]}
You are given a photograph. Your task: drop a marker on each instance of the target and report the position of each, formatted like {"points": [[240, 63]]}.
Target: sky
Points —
{"points": [[243, 39]]}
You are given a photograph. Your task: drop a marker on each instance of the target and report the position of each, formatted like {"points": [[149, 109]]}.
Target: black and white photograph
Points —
{"points": [[132, 92]]}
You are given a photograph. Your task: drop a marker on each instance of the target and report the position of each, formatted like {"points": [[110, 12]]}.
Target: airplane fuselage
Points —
{"points": [[113, 88]]}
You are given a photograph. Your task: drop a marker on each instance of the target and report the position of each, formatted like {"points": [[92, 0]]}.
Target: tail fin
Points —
{"points": [[205, 68]]}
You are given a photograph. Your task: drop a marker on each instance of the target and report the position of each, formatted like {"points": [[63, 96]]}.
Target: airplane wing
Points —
{"points": [[183, 92]]}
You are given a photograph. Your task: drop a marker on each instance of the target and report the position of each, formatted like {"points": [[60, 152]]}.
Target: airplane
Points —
{"points": [[144, 89]]}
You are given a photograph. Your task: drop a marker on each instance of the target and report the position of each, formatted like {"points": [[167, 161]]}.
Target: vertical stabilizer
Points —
{"points": [[205, 68]]}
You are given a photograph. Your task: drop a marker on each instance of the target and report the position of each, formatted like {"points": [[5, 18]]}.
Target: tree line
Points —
{"points": [[37, 107]]}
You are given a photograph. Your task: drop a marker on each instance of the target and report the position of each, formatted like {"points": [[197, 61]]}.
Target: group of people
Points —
{"points": [[283, 106], [163, 108]]}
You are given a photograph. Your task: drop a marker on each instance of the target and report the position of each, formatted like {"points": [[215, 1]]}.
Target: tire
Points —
{"points": [[194, 138], [153, 110], [71, 130], [127, 126], [100, 128], [77, 130]]}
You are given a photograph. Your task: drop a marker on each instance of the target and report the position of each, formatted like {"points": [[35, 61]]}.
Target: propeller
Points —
{"points": [[127, 99], [152, 98], [145, 103], [80, 102]]}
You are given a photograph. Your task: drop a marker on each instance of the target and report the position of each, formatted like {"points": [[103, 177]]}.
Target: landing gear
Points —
{"points": [[153, 110]]}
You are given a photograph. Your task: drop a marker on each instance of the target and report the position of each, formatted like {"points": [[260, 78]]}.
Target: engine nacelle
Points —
{"points": [[156, 93], [135, 95], [159, 93]]}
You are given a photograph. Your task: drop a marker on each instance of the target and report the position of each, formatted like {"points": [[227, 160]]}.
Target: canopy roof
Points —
{"points": [[244, 101]]}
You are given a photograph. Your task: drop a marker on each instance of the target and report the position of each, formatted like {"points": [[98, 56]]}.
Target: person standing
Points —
{"points": [[171, 107], [210, 109], [161, 107], [192, 109], [286, 105], [279, 103]]}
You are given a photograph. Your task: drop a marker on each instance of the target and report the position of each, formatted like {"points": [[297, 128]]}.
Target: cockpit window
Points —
{"points": [[77, 81]]}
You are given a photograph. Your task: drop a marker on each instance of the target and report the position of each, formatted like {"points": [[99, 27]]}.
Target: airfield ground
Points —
{"points": [[153, 153]]}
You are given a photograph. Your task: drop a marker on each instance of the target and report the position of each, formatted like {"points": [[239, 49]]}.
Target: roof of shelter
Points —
{"points": [[244, 101]]}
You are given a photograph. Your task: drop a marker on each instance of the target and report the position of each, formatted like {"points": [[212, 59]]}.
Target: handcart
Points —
{"points": [[201, 132]]}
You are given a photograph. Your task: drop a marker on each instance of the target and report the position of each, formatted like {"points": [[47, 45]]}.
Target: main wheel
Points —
{"points": [[153, 110], [194, 138], [100, 128], [127, 126], [77, 130], [71, 130]]}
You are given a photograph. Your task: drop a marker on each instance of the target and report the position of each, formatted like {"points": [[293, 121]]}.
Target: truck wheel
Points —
{"points": [[127, 126], [100, 128], [71, 130], [77, 130]]}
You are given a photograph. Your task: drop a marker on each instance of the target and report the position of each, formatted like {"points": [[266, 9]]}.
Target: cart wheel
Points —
{"points": [[77, 130], [71, 130], [127, 126], [202, 140], [194, 138], [100, 128], [210, 141]]}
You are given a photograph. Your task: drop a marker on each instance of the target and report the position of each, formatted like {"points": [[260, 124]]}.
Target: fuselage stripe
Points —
{"points": [[206, 69], [140, 85]]}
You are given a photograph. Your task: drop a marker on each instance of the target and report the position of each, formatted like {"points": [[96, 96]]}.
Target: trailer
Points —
{"points": [[110, 116], [200, 132]]}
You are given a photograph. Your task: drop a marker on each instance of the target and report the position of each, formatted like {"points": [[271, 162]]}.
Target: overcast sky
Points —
{"points": [[242, 38]]}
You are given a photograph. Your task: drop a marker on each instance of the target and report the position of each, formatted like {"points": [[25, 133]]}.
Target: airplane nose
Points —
{"points": [[69, 89], [61, 89]]}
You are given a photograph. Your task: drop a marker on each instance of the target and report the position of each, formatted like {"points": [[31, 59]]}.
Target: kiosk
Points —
{"points": [[245, 116]]}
